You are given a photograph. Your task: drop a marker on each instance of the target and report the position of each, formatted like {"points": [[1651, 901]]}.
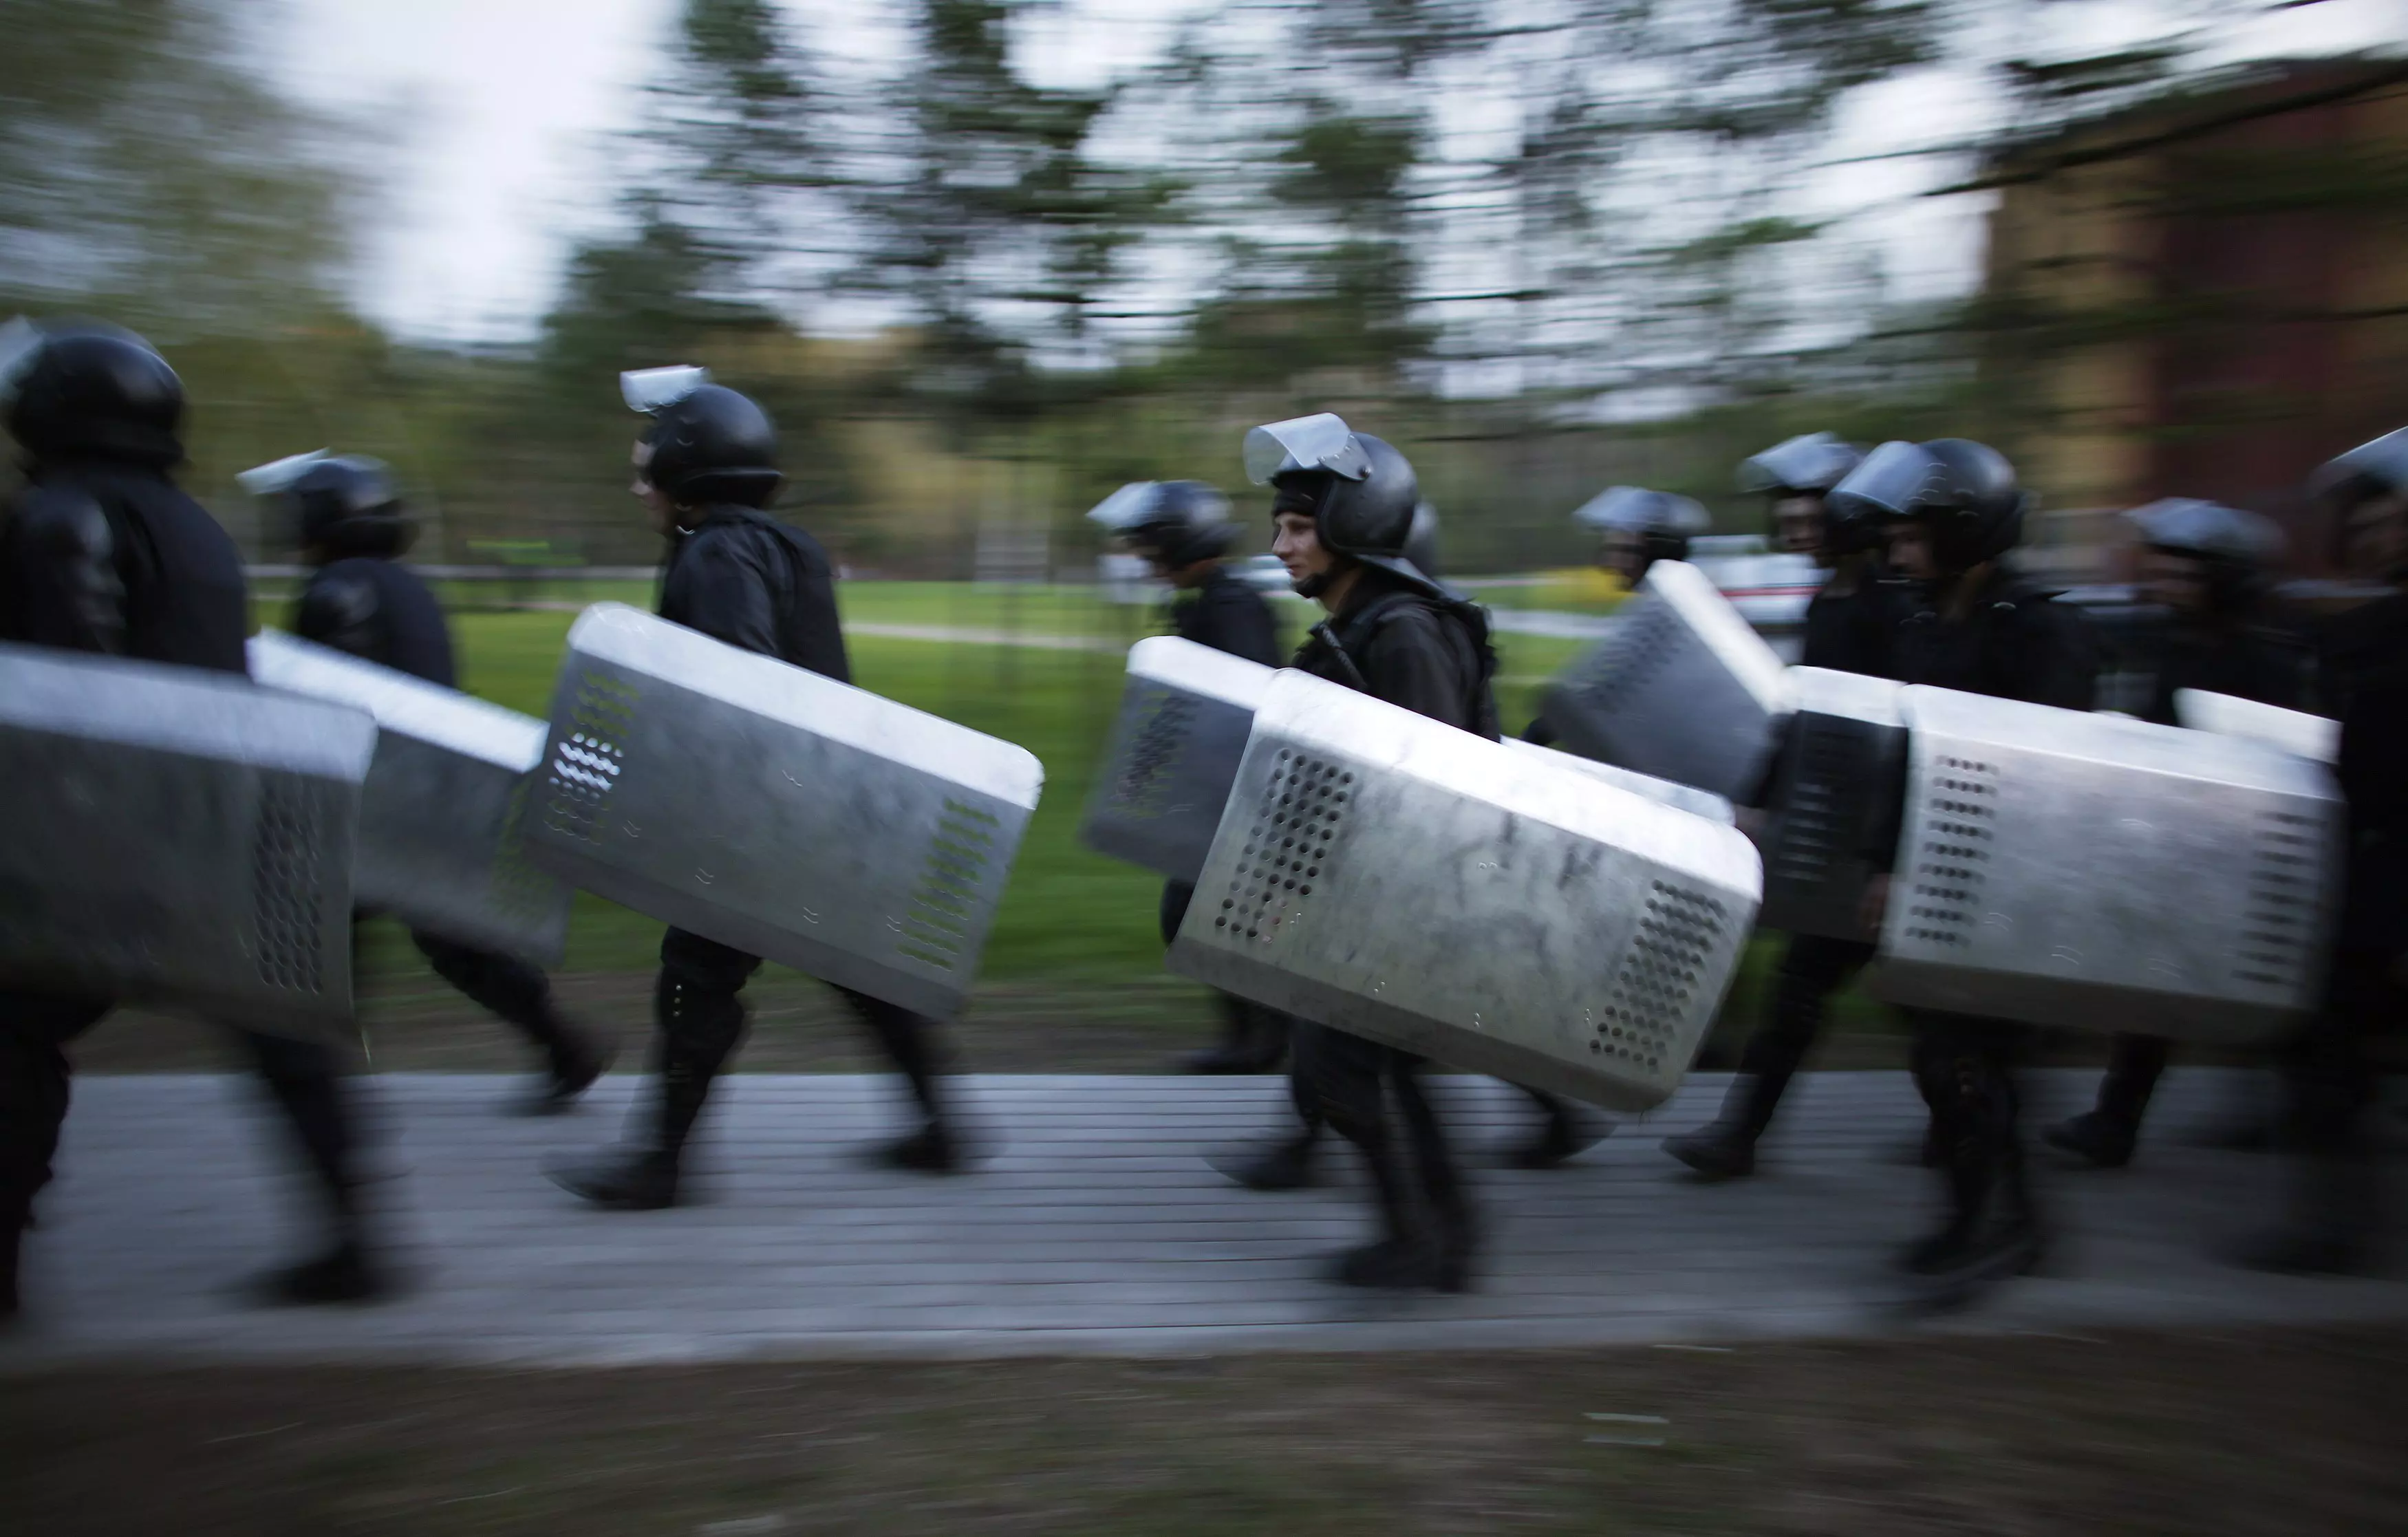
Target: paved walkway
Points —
{"points": [[1094, 1227]]}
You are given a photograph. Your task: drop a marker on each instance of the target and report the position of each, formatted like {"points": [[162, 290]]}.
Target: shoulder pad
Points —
{"points": [[65, 521]]}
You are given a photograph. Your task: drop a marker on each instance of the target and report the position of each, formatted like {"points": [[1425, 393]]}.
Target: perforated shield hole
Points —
{"points": [[944, 906], [1143, 787], [1290, 846], [1623, 666], [2276, 921], [1962, 801], [1824, 800], [515, 886], [585, 764], [284, 885], [1656, 984]]}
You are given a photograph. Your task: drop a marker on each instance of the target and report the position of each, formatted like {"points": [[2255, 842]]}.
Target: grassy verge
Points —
{"points": [[2214, 1435]]}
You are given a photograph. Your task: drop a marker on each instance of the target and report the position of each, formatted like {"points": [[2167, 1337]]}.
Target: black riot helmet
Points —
{"points": [[1359, 491], [2374, 468], [82, 389], [707, 443], [1807, 466], [1421, 540], [2348, 481], [2238, 549], [1178, 522], [337, 504], [1662, 524], [1966, 491]]}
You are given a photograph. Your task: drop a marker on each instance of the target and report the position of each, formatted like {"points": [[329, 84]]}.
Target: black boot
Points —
{"points": [[1564, 1133], [1285, 1165], [577, 1061], [1403, 1258], [2095, 1136], [631, 1178], [930, 1150], [1993, 1232], [343, 1274]]}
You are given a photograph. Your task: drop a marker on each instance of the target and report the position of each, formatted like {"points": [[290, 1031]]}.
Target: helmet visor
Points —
{"points": [[2193, 527], [1816, 462], [1895, 480], [1305, 442], [2381, 463], [1132, 506], [649, 390], [278, 475]]}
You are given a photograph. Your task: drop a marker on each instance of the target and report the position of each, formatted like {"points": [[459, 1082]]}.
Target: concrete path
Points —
{"points": [[1094, 1227]]}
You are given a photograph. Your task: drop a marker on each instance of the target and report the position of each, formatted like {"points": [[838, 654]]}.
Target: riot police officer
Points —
{"points": [[345, 518], [1950, 510], [1564, 1129], [104, 553], [1847, 630], [1636, 527], [706, 471], [1343, 506], [2209, 568], [1183, 530], [2362, 680]]}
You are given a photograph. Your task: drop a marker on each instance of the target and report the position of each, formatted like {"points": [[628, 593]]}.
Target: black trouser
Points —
{"points": [[701, 1018], [1964, 1066], [1374, 1096], [1247, 1029], [2329, 1072], [1812, 968], [2134, 1065], [303, 1078], [518, 994]]}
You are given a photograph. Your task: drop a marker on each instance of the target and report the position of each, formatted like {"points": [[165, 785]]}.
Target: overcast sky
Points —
{"points": [[497, 115]]}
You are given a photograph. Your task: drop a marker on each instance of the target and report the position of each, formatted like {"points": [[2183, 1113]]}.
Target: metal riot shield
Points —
{"points": [[2295, 731], [776, 811], [441, 846], [1173, 755], [1682, 688], [1390, 876], [1840, 757], [1684, 798], [2091, 870], [178, 836]]}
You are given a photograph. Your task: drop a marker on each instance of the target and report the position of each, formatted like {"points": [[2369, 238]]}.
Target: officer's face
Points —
{"points": [[2172, 581], [663, 515], [1623, 554], [1297, 545], [1910, 551], [2378, 534], [1799, 521]]}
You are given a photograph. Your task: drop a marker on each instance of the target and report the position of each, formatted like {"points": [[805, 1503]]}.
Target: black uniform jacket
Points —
{"points": [[378, 611], [1396, 642], [2248, 662], [1228, 616], [114, 558], [2363, 681], [742, 577]]}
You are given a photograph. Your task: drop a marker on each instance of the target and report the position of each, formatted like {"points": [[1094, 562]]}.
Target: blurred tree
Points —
{"points": [[147, 171]]}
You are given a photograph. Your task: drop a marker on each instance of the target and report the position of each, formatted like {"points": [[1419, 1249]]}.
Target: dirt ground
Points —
{"points": [[2263, 1431]]}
